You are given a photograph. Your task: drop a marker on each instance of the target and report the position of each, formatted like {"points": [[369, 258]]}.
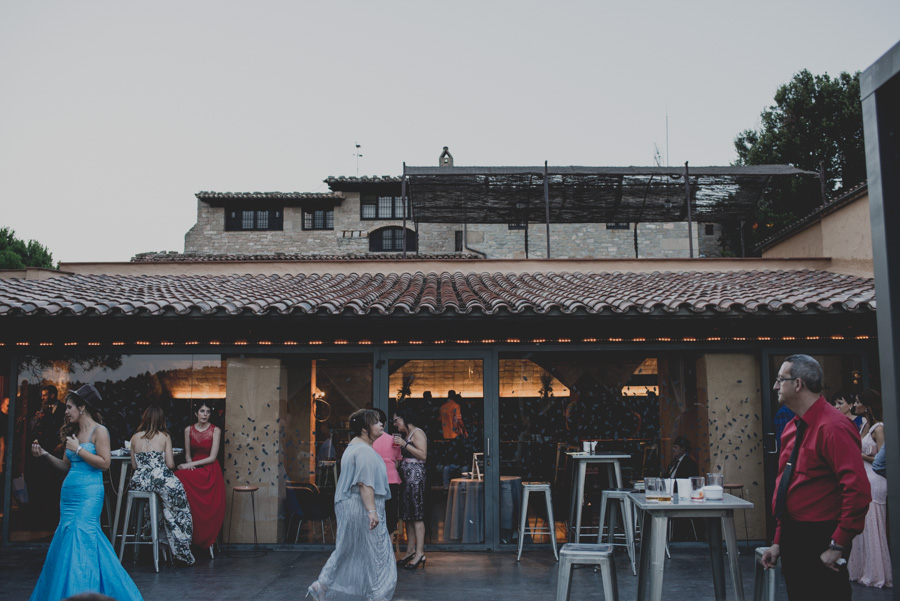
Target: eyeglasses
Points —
{"points": [[782, 380]]}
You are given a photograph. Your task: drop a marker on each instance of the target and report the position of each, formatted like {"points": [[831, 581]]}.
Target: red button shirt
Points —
{"points": [[829, 481]]}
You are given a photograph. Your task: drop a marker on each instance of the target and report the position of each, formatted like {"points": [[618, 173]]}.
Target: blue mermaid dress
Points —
{"points": [[81, 558]]}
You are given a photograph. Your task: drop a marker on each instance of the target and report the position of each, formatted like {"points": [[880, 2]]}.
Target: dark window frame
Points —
{"points": [[245, 219], [389, 235], [317, 219], [375, 207], [619, 225]]}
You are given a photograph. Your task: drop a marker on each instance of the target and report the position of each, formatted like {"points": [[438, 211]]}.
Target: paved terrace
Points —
{"points": [[449, 576]]}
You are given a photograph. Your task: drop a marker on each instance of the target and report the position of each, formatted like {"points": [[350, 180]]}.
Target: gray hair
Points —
{"points": [[808, 370]]}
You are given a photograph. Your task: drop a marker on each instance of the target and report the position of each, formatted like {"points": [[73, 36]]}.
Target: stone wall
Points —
{"points": [[350, 236]]}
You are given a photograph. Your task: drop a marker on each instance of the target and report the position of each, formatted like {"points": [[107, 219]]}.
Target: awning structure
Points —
{"points": [[587, 194]]}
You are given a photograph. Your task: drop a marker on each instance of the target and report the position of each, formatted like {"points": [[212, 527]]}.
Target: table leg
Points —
{"points": [[653, 557], [115, 527], [734, 564], [618, 469], [579, 499], [714, 532]]}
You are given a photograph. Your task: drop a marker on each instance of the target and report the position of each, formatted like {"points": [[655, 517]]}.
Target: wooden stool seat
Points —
{"points": [[252, 489]]}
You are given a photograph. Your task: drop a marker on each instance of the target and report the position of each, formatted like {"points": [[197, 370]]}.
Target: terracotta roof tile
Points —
{"points": [[175, 257], [697, 293]]}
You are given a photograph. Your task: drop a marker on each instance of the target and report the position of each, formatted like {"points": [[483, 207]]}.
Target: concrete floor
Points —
{"points": [[449, 576]]}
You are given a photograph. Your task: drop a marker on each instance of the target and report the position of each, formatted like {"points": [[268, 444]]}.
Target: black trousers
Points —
{"points": [[805, 575]]}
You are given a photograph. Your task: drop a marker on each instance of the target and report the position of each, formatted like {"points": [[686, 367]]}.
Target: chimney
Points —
{"points": [[446, 159]]}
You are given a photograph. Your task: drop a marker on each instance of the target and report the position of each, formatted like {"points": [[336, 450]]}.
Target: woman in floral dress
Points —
{"points": [[152, 461]]}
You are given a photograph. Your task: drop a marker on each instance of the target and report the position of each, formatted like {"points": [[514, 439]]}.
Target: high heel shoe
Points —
{"points": [[401, 563], [413, 566]]}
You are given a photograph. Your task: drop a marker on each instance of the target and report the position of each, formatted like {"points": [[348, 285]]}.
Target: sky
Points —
{"points": [[114, 114]]}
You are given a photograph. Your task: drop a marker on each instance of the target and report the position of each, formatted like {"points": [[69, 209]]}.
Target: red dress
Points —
{"points": [[205, 488]]}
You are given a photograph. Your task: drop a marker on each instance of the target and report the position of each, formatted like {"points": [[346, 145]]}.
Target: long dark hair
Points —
{"points": [[153, 422], [70, 429], [871, 400]]}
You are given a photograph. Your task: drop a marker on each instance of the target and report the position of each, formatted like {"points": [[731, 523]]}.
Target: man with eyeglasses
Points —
{"points": [[822, 491]]}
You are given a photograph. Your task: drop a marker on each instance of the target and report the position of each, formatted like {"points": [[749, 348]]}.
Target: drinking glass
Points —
{"points": [[667, 487], [697, 484], [652, 488]]}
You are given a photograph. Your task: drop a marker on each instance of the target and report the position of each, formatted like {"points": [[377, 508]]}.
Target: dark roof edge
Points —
{"points": [[851, 195]]}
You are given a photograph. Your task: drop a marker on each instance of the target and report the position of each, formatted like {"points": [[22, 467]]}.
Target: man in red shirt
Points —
{"points": [[822, 491]]}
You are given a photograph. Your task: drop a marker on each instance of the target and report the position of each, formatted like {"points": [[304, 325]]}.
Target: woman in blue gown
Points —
{"points": [[81, 558]]}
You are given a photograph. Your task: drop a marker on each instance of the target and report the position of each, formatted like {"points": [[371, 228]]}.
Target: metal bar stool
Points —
{"points": [[620, 501], [550, 529], [576, 554], [257, 552], [731, 488], [765, 581], [152, 501]]}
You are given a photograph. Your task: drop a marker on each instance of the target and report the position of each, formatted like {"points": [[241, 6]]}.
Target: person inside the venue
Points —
{"points": [[201, 475], [153, 461], [390, 453], [361, 568], [414, 448], [870, 559], [822, 492], [844, 403], [81, 559], [682, 465]]}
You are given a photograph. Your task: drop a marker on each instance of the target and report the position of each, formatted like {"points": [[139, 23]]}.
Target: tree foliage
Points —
{"points": [[18, 254], [815, 119]]}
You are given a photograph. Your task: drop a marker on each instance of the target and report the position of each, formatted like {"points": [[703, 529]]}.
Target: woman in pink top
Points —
{"points": [[384, 446]]}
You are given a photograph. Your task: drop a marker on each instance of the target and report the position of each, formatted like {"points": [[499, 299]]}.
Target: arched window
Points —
{"points": [[390, 239]]}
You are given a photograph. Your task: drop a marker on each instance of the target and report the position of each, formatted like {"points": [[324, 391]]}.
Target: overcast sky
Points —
{"points": [[114, 114]]}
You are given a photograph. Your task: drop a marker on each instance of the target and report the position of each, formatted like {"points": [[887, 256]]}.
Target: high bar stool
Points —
{"points": [[731, 488], [257, 552], [151, 500], [527, 489], [620, 501]]}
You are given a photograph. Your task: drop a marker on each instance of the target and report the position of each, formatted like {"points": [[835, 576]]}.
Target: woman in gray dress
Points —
{"points": [[362, 567]]}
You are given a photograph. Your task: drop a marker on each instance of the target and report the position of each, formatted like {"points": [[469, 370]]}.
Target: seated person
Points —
{"points": [[683, 465]]}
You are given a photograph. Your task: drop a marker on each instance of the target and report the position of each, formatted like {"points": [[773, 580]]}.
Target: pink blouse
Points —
{"points": [[384, 446]]}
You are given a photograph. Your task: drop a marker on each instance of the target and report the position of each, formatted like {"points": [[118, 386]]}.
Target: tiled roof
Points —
{"points": [[176, 257], [687, 293], [365, 179], [223, 196]]}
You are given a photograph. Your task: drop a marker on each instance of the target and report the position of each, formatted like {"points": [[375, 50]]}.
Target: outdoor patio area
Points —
{"points": [[450, 576]]}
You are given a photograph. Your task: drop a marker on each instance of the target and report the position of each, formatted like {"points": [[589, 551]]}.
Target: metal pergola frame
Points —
{"points": [[576, 194]]}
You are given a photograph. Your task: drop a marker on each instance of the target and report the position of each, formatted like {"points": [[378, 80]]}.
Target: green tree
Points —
{"points": [[815, 120], [18, 254]]}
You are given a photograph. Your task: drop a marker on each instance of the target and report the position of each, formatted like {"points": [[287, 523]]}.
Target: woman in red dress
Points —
{"points": [[202, 477]]}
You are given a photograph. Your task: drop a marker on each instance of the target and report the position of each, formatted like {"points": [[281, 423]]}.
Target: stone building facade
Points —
{"points": [[347, 222]]}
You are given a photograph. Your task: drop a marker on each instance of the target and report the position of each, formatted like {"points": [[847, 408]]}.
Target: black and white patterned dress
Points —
{"points": [[153, 475], [412, 486]]}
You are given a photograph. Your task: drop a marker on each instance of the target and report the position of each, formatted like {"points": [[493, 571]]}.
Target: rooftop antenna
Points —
{"points": [[357, 154]]}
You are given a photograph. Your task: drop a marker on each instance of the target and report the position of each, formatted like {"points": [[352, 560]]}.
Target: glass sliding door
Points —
{"points": [[446, 399]]}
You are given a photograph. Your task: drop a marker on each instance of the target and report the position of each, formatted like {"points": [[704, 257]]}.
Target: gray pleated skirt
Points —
{"points": [[362, 566]]}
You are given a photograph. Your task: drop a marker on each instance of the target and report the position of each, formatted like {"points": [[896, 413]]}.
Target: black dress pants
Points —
{"points": [[805, 576]]}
